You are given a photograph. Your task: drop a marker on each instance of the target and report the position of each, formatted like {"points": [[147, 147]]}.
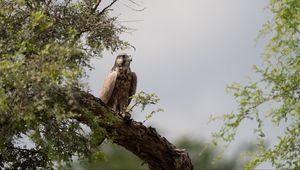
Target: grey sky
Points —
{"points": [[187, 52]]}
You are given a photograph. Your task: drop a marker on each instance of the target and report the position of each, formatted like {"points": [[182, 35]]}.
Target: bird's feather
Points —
{"points": [[108, 86], [132, 86]]}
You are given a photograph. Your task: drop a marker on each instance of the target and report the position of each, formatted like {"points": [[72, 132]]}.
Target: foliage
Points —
{"points": [[142, 100], [116, 157], [203, 157], [120, 158], [278, 91], [45, 48]]}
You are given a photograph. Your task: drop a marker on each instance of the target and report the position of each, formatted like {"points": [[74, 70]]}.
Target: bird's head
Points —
{"points": [[123, 61]]}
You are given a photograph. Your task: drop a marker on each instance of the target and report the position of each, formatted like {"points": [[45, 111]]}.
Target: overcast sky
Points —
{"points": [[187, 52]]}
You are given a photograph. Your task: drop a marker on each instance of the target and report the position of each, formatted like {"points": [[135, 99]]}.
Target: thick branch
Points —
{"points": [[143, 141]]}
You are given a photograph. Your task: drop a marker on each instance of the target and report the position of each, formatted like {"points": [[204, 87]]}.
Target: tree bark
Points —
{"points": [[144, 142]]}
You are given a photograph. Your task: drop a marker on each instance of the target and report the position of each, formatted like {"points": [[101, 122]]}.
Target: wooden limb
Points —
{"points": [[143, 141]]}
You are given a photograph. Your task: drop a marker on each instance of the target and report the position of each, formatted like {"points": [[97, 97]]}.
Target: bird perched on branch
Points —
{"points": [[119, 84]]}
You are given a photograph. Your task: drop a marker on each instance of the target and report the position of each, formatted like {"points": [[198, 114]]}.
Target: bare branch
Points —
{"points": [[133, 2], [134, 9], [107, 7]]}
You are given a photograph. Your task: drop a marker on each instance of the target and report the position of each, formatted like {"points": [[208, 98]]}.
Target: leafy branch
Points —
{"points": [[142, 100]]}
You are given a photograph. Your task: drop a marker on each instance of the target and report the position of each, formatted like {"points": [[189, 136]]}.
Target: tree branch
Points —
{"points": [[144, 142], [108, 6]]}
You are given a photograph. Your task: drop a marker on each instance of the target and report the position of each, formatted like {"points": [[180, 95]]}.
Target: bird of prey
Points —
{"points": [[119, 84]]}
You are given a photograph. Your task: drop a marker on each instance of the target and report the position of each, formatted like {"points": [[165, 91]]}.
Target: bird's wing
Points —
{"points": [[132, 86], [108, 86]]}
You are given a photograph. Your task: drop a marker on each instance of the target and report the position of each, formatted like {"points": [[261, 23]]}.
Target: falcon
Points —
{"points": [[119, 84]]}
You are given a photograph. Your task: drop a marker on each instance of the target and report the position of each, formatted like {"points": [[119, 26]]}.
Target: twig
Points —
{"points": [[132, 8], [96, 5], [133, 2], [131, 108], [108, 6]]}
